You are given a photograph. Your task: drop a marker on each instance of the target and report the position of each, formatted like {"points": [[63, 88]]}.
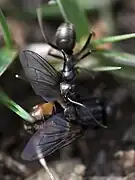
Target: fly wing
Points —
{"points": [[55, 134], [43, 76]]}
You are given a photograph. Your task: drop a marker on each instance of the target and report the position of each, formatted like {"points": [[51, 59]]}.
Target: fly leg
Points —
{"points": [[31, 128], [70, 113]]}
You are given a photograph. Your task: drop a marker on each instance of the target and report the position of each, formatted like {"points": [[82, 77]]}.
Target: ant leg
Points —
{"points": [[58, 56], [48, 42], [86, 44], [52, 45], [86, 54], [90, 72], [55, 56]]}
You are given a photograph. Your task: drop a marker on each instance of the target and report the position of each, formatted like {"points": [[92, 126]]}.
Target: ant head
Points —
{"points": [[66, 37]]}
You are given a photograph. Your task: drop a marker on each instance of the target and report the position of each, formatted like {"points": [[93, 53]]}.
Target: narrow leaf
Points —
{"points": [[122, 58], [7, 56], [6, 33], [112, 39], [125, 60], [106, 68], [4, 99]]}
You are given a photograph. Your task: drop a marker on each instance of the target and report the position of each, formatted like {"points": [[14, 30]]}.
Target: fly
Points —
{"points": [[63, 128]]}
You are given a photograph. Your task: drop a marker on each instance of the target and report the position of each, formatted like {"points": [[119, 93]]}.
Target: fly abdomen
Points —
{"points": [[92, 110]]}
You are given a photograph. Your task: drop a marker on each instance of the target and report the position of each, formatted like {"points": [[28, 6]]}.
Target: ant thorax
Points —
{"points": [[67, 90], [68, 72], [64, 88]]}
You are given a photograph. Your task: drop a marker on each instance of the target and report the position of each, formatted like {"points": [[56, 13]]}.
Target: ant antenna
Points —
{"points": [[39, 17], [82, 105], [62, 11], [20, 77]]}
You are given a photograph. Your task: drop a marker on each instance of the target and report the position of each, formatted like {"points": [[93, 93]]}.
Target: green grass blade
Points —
{"points": [[7, 56], [113, 58], [116, 57], [6, 33], [106, 68], [4, 99], [112, 39]]}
